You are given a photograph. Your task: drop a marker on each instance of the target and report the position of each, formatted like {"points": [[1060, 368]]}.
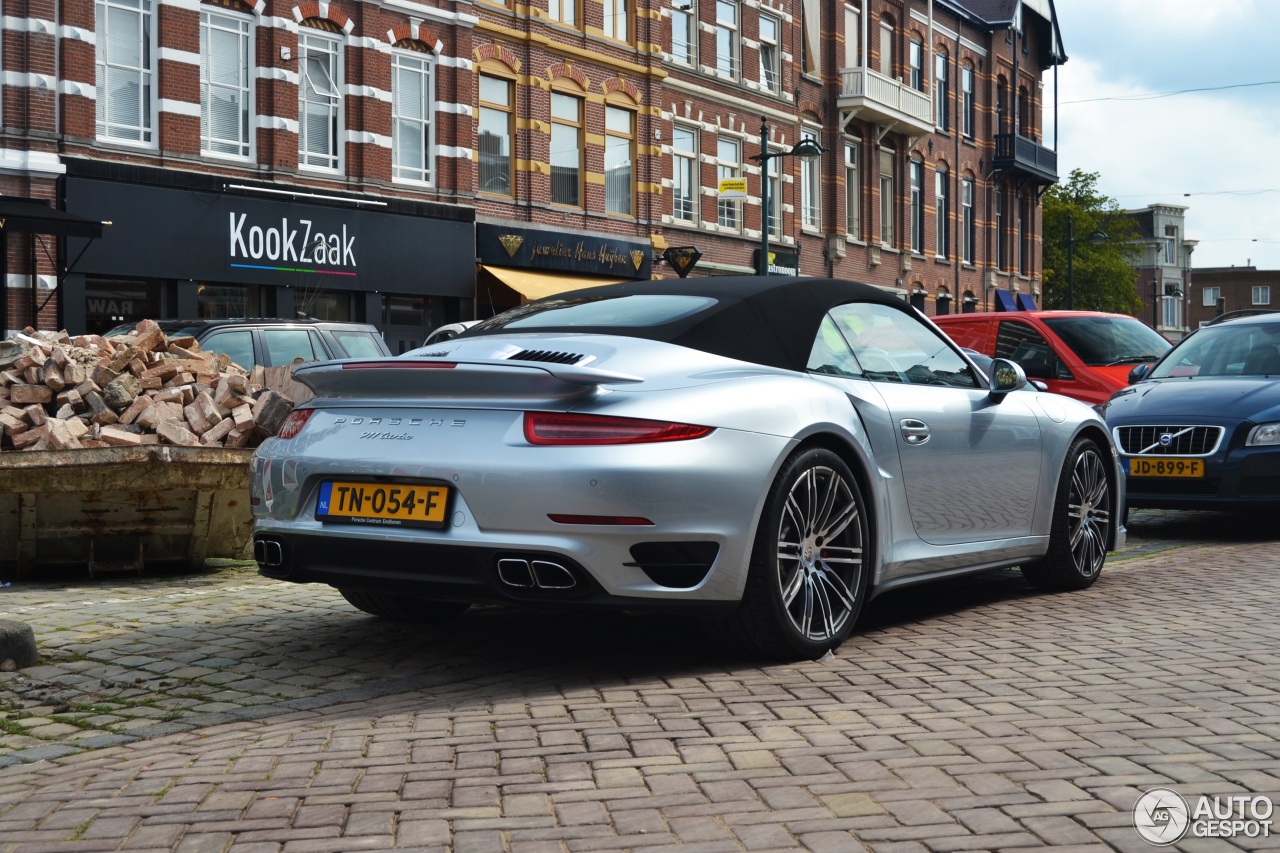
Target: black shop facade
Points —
{"points": [[186, 246]]}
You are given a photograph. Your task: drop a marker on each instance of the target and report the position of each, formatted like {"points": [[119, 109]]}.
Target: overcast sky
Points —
{"points": [[1221, 146]]}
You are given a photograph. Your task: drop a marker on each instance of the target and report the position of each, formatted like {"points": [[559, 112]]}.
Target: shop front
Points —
{"points": [[192, 246], [517, 264]]}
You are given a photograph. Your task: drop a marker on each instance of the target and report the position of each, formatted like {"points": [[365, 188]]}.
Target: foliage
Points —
{"points": [[1104, 277]]}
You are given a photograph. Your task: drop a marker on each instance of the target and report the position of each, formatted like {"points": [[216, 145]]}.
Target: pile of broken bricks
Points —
{"points": [[62, 392]]}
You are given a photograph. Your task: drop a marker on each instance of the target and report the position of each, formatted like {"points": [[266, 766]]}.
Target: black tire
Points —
{"points": [[1083, 513], [804, 593], [403, 608]]}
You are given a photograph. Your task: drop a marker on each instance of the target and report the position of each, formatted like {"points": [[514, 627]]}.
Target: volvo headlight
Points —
{"points": [[1264, 435]]}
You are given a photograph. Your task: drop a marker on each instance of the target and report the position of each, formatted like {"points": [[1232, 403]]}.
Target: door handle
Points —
{"points": [[914, 431]]}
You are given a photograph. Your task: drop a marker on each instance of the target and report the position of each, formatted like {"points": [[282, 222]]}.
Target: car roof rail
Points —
{"points": [[1236, 315]]}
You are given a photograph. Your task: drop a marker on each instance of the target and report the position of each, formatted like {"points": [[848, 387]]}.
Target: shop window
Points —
{"points": [[566, 150], [727, 38], [125, 65], [226, 89], [619, 160], [114, 303], [685, 183], [320, 98], [495, 136], [404, 311], [769, 53], [222, 301], [729, 165], [326, 305], [411, 112]]}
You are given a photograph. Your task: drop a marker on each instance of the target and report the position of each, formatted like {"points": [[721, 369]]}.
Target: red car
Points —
{"points": [[1082, 354]]}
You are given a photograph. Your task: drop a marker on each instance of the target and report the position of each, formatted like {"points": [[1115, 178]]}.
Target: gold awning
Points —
{"points": [[534, 284]]}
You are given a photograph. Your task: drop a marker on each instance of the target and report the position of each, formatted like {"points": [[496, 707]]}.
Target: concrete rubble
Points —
{"points": [[62, 392]]}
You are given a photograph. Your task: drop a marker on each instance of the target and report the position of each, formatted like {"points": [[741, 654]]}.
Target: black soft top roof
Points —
{"points": [[764, 320]]}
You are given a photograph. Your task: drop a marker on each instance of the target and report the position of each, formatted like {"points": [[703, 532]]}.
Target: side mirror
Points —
{"points": [[1139, 372], [1006, 376]]}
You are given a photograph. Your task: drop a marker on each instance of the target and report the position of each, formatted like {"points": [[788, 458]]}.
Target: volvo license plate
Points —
{"points": [[386, 504], [1166, 468]]}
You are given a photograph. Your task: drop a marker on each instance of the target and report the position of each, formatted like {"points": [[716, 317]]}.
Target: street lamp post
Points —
{"points": [[1095, 238], [806, 149]]}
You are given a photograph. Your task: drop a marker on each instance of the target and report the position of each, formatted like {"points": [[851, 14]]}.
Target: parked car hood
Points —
{"points": [[1250, 398]]}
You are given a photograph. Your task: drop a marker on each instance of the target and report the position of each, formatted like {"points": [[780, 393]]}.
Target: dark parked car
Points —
{"points": [[272, 342], [1201, 428]]}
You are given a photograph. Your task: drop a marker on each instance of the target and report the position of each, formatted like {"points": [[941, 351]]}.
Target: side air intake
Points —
{"points": [[547, 356]]}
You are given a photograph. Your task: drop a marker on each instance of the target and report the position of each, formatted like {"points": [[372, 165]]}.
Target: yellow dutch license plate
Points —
{"points": [[386, 504], [1166, 468]]}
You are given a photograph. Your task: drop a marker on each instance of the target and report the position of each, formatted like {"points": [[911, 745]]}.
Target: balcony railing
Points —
{"points": [[1026, 156], [887, 102]]}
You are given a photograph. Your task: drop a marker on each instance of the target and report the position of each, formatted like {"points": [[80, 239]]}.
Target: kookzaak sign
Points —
{"points": [[585, 254], [166, 232]]}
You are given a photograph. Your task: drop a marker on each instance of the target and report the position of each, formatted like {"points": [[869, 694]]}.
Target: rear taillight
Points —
{"points": [[396, 364], [572, 429], [294, 423]]}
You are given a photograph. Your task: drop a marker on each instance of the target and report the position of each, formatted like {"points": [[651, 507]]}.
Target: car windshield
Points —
{"points": [[1106, 341], [1251, 349], [598, 312]]}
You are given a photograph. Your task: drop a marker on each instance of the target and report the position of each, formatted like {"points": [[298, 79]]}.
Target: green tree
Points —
{"points": [[1104, 277]]}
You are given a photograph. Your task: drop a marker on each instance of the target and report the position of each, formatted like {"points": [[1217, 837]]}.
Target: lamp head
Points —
{"points": [[808, 148]]}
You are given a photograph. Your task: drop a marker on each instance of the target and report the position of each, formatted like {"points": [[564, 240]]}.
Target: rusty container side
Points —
{"points": [[123, 507]]}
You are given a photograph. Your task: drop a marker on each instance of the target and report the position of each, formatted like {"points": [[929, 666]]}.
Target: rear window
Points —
{"points": [[596, 312], [359, 344]]}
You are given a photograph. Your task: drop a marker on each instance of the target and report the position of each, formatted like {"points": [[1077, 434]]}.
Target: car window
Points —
{"points": [[284, 345], [1020, 342], [880, 343], [237, 344], [358, 344], [1105, 341], [1252, 350]]}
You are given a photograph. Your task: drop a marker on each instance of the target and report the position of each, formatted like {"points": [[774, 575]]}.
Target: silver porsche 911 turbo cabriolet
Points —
{"points": [[772, 451]]}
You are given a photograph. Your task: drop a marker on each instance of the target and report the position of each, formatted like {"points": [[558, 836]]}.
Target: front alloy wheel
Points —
{"points": [[808, 574], [1082, 519]]}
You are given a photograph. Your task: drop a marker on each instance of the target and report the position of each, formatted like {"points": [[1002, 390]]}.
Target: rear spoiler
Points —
{"points": [[416, 377]]}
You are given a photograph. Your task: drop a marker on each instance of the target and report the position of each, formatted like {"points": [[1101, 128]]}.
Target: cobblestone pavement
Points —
{"points": [[222, 711]]}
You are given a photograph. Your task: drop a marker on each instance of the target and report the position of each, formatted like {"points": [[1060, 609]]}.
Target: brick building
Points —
{"points": [[1219, 290], [412, 162]]}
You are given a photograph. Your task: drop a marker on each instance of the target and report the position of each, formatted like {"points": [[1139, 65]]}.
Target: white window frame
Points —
{"points": [[612, 135], [244, 27], [853, 188], [968, 106], [941, 92], [969, 237], [886, 48], [915, 169], [915, 65], [507, 112], [1262, 294], [143, 134], [1210, 296], [423, 65], [728, 213], [579, 127], [811, 185], [888, 199], [942, 213], [852, 36], [316, 41], [770, 52], [1171, 312], [775, 196], [1170, 245], [728, 36], [689, 158], [684, 18]]}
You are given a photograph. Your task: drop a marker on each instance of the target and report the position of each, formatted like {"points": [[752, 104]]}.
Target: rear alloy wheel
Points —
{"points": [[403, 608], [808, 577], [1082, 517]]}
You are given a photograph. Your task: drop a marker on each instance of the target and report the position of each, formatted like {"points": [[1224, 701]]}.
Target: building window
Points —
{"points": [[852, 191], [1262, 294], [942, 302], [1210, 296], [684, 33], [812, 45], [564, 11], [769, 54], [123, 64], [942, 214], [684, 174], [886, 47], [225, 87], [566, 150], [495, 136], [811, 186], [617, 19], [775, 197], [1025, 124], [1001, 248], [320, 100], [1171, 244], [915, 59], [411, 109], [941, 93], [852, 36], [968, 108], [1003, 118], [729, 165], [969, 237], [917, 207], [1171, 312], [619, 161], [727, 38], [888, 200], [1024, 236]]}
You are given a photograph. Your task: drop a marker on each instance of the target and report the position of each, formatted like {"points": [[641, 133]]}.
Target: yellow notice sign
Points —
{"points": [[731, 188]]}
